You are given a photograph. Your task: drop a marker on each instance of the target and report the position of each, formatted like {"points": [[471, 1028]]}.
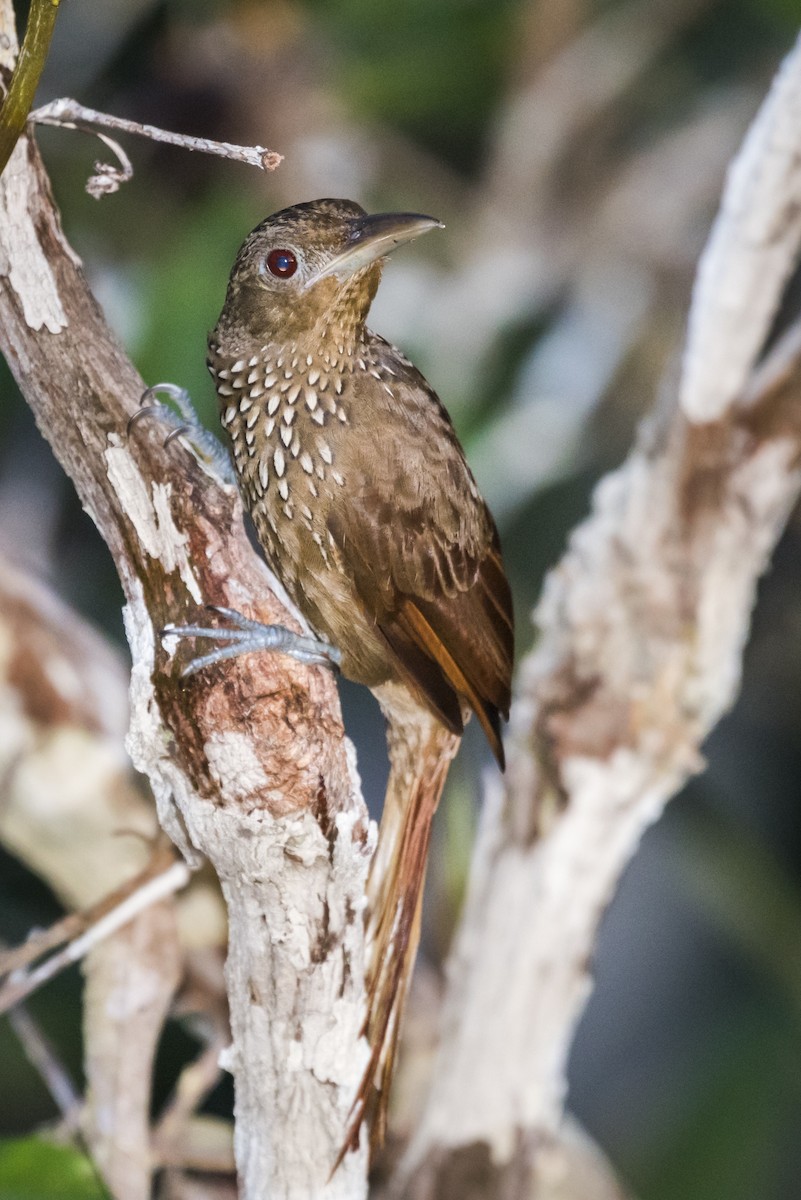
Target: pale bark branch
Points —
{"points": [[139, 898], [39, 941], [194, 1084], [749, 257], [248, 763], [641, 631], [71, 810], [131, 980]]}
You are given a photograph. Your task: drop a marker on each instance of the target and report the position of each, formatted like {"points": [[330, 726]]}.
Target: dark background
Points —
{"points": [[575, 151]]}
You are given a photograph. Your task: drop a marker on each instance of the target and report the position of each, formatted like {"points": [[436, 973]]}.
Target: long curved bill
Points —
{"points": [[374, 236]]}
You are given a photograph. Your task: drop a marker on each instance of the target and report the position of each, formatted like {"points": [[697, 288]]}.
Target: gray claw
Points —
{"points": [[186, 424], [245, 636]]}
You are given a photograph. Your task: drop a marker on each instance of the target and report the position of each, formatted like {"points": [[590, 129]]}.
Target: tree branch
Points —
{"points": [[248, 763], [136, 898], [40, 1053], [641, 631], [71, 810]]}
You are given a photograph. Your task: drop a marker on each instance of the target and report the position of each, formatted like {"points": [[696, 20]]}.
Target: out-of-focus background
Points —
{"points": [[575, 150]]}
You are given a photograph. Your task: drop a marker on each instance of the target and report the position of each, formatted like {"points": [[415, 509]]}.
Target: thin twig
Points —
{"points": [[108, 177], [194, 1084], [71, 926], [155, 888], [67, 113], [42, 1056], [39, 941]]}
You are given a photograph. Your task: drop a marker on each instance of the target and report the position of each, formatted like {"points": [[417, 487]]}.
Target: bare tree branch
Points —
{"points": [[138, 897], [248, 763], [70, 809], [642, 627], [172, 1135], [130, 985], [749, 256]]}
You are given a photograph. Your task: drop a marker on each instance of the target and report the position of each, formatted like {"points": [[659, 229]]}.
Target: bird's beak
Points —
{"points": [[371, 237]]}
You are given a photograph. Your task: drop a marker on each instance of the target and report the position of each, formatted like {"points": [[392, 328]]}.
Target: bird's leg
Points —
{"points": [[183, 422], [244, 636]]}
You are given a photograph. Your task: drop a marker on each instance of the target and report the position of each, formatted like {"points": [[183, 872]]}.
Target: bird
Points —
{"points": [[366, 509]]}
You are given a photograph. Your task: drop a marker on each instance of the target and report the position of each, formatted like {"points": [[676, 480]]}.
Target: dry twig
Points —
{"points": [[68, 114], [42, 1056], [108, 917]]}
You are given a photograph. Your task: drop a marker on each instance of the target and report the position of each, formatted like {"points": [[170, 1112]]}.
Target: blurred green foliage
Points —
{"points": [[33, 1169], [404, 64]]}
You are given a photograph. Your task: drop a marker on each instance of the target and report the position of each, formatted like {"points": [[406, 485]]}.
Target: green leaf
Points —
{"points": [[32, 1169]]}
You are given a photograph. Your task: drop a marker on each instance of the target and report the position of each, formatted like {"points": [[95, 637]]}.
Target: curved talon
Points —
{"points": [[182, 421], [146, 410], [179, 431], [177, 394], [237, 618]]}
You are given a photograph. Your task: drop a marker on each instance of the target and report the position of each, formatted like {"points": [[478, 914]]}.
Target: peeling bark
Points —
{"points": [[641, 631], [70, 809], [248, 762]]}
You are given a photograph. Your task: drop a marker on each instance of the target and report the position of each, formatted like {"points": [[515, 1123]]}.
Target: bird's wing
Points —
{"points": [[426, 562]]}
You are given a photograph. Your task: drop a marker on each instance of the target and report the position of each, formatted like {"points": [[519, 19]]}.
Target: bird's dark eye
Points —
{"points": [[282, 263]]}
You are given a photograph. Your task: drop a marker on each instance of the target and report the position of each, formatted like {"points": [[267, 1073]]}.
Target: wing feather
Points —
{"points": [[427, 567]]}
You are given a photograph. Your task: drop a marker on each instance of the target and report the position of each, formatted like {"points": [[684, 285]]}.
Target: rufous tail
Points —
{"points": [[420, 752]]}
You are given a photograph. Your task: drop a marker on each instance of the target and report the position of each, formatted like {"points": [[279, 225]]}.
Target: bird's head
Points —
{"points": [[310, 267]]}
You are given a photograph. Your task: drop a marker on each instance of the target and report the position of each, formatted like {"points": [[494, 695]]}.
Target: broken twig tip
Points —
{"points": [[68, 114]]}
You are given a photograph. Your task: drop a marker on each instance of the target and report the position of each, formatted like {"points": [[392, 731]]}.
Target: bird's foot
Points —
{"points": [[244, 636], [184, 423]]}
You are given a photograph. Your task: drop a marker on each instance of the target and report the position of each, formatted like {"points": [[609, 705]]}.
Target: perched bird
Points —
{"points": [[368, 513]]}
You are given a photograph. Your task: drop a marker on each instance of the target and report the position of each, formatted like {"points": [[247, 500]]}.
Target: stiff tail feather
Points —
{"points": [[421, 750]]}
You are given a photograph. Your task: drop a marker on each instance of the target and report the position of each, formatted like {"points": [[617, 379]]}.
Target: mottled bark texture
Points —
{"points": [[70, 810], [248, 763], [641, 631]]}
